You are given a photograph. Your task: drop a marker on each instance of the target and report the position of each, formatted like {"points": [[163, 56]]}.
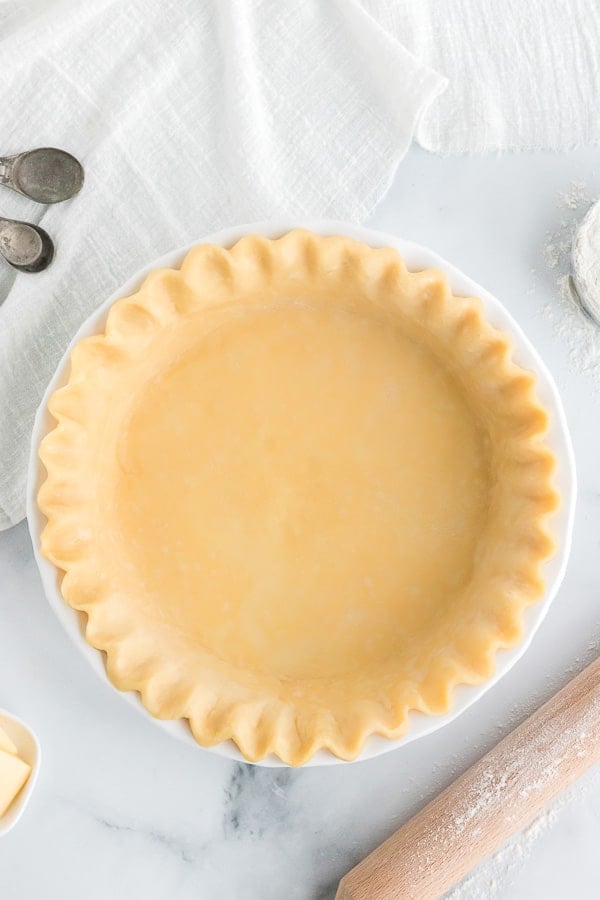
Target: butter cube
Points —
{"points": [[13, 775], [6, 743]]}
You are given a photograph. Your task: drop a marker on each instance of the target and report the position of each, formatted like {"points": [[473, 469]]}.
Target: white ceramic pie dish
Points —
{"points": [[28, 748], [416, 257]]}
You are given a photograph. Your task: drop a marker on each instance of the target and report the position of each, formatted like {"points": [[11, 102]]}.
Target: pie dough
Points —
{"points": [[298, 491]]}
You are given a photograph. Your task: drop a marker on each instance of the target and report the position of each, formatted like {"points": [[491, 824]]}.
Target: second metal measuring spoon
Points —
{"points": [[26, 247], [46, 175]]}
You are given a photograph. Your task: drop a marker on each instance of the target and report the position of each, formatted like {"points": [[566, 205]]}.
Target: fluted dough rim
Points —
{"points": [[216, 708]]}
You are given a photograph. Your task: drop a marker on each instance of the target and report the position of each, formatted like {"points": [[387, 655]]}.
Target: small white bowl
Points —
{"points": [[28, 749], [416, 257]]}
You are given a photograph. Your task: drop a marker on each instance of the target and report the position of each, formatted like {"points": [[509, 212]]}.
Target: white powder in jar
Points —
{"points": [[576, 330], [586, 261]]}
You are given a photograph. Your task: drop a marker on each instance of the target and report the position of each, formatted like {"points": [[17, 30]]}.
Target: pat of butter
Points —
{"points": [[6, 743], [13, 775]]}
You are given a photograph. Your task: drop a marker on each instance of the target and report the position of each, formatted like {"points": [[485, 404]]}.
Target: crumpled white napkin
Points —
{"points": [[522, 74], [188, 115]]}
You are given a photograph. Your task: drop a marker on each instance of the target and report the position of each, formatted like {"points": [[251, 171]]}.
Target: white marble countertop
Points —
{"points": [[124, 811]]}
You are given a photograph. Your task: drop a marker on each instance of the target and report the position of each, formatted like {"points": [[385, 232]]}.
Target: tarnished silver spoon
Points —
{"points": [[26, 247], [46, 175]]}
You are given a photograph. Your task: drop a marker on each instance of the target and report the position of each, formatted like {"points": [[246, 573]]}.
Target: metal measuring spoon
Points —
{"points": [[28, 248], [46, 175]]}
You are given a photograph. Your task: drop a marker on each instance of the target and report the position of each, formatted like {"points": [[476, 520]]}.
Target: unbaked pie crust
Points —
{"points": [[298, 491]]}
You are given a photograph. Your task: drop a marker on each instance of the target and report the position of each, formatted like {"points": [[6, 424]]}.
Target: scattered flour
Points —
{"points": [[579, 334], [575, 197], [491, 795], [492, 876]]}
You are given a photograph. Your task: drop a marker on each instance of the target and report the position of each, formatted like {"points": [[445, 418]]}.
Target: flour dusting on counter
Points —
{"points": [[496, 875], [493, 874], [531, 769]]}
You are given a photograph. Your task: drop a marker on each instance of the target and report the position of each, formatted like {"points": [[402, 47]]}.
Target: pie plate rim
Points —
{"points": [[416, 257]]}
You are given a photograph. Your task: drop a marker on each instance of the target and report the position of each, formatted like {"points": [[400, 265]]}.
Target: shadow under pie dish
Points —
{"points": [[298, 491]]}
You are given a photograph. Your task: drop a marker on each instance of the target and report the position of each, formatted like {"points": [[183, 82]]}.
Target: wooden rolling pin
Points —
{"points": [[498, 796]]}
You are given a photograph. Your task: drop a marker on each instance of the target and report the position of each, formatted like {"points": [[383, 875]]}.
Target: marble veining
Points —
{"points": [[173, 845], [245, 800]]}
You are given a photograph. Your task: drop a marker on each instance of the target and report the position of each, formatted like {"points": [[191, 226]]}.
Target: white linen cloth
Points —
{"points": [[522, 74], [190, 115]]}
